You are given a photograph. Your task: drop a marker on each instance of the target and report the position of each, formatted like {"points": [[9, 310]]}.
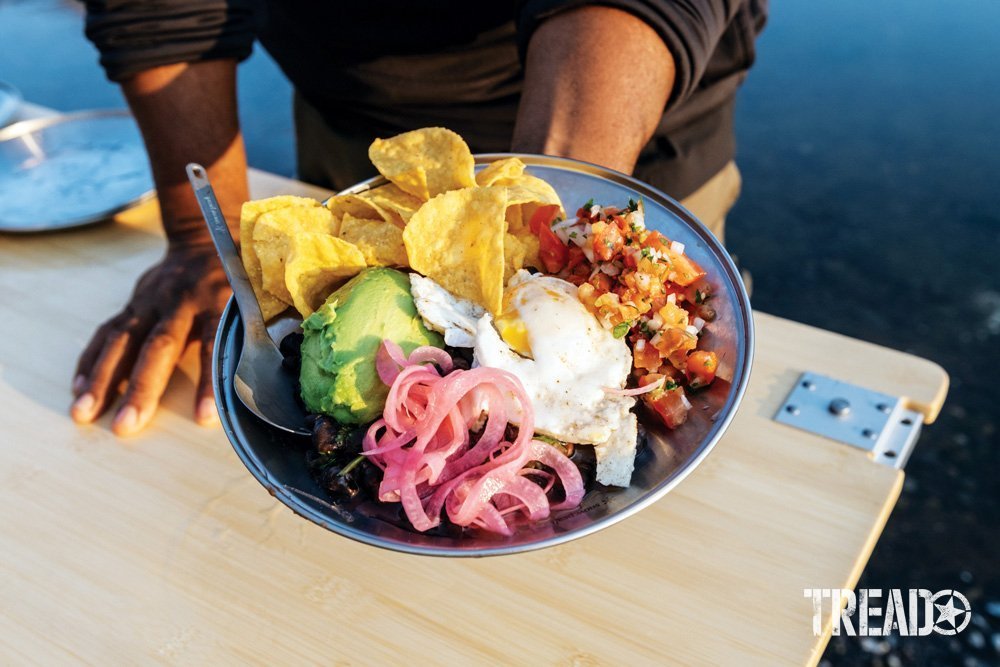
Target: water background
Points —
{"points": [[869, 140]]}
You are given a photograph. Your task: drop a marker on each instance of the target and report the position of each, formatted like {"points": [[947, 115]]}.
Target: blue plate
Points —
{"points": [[70, 170]]}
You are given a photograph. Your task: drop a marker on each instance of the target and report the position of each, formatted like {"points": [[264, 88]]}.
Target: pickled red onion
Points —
{"points": [[428, 459], [638, 390]]}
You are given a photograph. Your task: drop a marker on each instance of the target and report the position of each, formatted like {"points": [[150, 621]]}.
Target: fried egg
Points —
{"points": [[562, 355], [445, 313]]}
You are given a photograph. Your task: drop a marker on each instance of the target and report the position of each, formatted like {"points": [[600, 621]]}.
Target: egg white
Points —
{"points": [[574, 360]]}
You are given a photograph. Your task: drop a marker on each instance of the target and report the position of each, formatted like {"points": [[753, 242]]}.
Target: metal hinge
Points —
{"points": [[877, 423]]}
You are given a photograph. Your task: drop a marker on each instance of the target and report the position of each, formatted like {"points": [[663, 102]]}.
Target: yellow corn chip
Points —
{"points": [[531, 189], [380, 242], [524, 196], [530, 243], [355, 205], [426, 162], [515, 221], [270, 305], [390, 199], [272, 235], [456, 239], [315, 265], [501, 172], [514, 251]]}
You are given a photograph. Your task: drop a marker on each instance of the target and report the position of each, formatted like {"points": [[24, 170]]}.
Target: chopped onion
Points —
{"points": [[691, 330], [699, 324], [677, 246], [685, 402], [610, 269], [672, 298], [563, 224]]}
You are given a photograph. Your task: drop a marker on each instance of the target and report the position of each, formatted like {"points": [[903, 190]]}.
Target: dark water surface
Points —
{"points": [[869, 137]]}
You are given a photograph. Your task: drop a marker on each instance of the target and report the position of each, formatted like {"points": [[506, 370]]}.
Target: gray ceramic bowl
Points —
{"points": [[278, 460]]}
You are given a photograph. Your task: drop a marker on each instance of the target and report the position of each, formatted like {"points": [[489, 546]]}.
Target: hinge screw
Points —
{"points": [[840, 407]]}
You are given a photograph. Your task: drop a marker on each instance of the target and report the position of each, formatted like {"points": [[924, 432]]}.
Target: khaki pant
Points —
{"points": [[711, 202], [337, 160]]}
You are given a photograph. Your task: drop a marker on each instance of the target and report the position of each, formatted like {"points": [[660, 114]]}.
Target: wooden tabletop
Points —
{"points": [[163, 548]]}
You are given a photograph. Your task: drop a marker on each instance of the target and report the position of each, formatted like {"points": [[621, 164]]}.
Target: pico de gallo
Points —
{"points": [[641, 286]]}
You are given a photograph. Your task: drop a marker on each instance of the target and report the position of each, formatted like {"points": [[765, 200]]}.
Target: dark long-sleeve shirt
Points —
{"points": [[378, 67]]}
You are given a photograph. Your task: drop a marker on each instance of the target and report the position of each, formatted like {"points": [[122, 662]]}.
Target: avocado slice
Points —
{"points": [[338, 373]]}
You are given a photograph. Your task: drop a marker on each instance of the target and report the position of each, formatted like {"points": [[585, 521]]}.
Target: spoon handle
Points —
{"points": [[253, 321]]}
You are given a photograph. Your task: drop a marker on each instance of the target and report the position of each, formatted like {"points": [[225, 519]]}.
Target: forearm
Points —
{"points": [[596, 83], [187, 113]]}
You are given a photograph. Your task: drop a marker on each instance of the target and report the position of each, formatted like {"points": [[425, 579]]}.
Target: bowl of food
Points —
{"points": [[499, 352]]}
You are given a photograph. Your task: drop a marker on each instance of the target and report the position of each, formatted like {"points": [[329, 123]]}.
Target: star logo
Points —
{"points": [[951, 618]]}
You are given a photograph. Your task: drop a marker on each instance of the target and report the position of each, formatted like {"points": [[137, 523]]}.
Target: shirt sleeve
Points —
{"points": [[691, 29], [135, 35]]}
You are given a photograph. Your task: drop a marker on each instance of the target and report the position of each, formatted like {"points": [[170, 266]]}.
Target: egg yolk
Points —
{"points": [[514, 333]]}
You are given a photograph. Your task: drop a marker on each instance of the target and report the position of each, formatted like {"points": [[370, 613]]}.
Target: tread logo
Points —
{"points": [[916, 612]]}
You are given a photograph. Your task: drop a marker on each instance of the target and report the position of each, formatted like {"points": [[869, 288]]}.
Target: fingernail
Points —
{"points": [[126, 420], [83, 407], [206, 414], [79, 382]]}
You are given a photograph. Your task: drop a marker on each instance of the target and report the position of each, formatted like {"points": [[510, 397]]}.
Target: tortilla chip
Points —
{"points": [[456, 240], [355, 205], [426, 162], [316, 264], [513, 256], [531, 189], [501, 172], [272, 235], [270, 305], [516, 223], [530, 243], [380, 242], [390, 199], [524, 196]]}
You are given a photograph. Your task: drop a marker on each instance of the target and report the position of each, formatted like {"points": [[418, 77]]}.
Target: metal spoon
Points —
{"points": [[261, 382]]}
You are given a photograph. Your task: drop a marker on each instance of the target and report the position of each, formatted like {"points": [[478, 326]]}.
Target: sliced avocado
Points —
{"points": [[338, 374]]}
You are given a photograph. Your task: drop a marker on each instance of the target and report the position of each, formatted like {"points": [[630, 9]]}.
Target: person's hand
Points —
{"points": [[175, 303]]}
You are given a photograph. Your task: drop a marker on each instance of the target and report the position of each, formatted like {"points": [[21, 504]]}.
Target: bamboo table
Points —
{"points": [[163, 548]]}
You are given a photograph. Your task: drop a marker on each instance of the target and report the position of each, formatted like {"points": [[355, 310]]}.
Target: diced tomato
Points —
{"points": [[576, 257], [602, 282], [620, 223], [552, 251], [701, 368], [656, 241], [607, 240], [672, 340], [631, 257], [543, 217], [649, 378], [673, 288], [669, 405], [645, 355], [685, 270]]}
